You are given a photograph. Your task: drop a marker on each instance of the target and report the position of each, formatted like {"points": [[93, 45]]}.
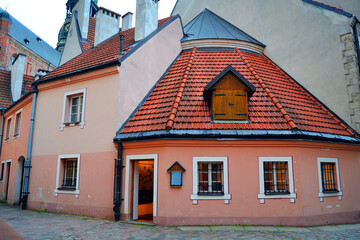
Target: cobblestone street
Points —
{"points": [[42, 225]]}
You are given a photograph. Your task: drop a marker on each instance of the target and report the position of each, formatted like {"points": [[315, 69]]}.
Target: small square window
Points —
{"points": [[276, 178], [329, 178], [17, 124], [210, 179], [8, 129], [73, 109], [67, 177]]}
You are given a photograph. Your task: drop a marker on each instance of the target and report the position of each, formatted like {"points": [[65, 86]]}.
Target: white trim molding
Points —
{"points": [[262, 196], [194, 196], [129, 158], [59, 168], [8, 129], [16, 117], [66, 108], [321, 194]]}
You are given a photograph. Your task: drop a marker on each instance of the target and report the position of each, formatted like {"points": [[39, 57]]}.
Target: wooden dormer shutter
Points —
{"points": [[230, 105], [229, 92]]}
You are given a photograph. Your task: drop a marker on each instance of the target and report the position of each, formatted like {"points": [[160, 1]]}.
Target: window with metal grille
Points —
{"points": [[210, 178], [276, 178], [70, 174], [328, 177]]}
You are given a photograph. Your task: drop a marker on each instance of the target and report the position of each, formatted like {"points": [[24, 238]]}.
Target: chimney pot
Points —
{"points": [[146, 18], [107, 24], [127, 21]]}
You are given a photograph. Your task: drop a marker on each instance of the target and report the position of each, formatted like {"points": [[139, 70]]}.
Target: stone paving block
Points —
{"points": [[293, 229], [260, 228], [194, 228], [227, 228]]}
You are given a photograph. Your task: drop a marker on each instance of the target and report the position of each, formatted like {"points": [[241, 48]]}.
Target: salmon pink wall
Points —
{"points": [[15, 147], [176, 207]]}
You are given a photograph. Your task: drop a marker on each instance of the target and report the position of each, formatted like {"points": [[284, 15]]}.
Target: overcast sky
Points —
{"points": [[45, 17]]}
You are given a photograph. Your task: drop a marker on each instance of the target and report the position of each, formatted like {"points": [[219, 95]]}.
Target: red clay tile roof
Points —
{"points": [[279, 103], [5, 78], [91, 35], [106, 52]]}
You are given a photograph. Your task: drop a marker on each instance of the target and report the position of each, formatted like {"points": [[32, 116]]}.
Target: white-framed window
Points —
{"points": [[210, 179], [67, 174], [17, 124], [8, 128], [73, 109], [276, 178], [329, 178]]}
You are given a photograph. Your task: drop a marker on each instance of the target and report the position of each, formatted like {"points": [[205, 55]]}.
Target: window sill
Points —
{"points": [[16, 136], [7, 139], [71, 124], [290, 196], [196, 197], [62, 191], [321, 195]]}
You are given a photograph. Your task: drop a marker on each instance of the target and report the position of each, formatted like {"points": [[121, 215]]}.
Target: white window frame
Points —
{"points": [[8, 126], [194, 196], [321, 194], [262, 196], [67, 107], [16, 117], [58, 180]]}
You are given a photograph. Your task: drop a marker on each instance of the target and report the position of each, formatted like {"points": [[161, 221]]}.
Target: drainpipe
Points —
{"points": [[1, 127], [118, 182], [27, 166]]}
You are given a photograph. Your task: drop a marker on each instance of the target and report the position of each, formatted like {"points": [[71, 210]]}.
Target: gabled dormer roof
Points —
{"points": [[229, 69], [208, 25]]}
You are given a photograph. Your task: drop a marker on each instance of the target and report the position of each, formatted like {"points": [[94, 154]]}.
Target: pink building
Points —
{"points": [[204, 129]]}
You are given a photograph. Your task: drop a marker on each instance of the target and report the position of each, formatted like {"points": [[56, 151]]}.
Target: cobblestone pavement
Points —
{"points": [[40, 225]]}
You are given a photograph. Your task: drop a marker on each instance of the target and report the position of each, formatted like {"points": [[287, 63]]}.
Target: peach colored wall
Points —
{"points": [[15, 147], [175, 206], [140, 72], [93, 143], [95, 184]]}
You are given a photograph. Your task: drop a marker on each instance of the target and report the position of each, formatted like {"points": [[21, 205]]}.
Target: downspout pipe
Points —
{"points": [[1, 127], [118, 174], [27, 166]]}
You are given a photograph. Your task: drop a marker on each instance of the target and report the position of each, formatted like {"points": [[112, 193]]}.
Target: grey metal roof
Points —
{"points": [[19, 33], [208, 25]]}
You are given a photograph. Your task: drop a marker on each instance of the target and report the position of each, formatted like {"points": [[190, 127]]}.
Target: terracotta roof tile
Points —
{"points": [[91, 35], [278, 103], [104, 53]]}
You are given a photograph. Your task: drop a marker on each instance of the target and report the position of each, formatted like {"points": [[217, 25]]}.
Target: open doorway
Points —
{"points": [[143, 191]]}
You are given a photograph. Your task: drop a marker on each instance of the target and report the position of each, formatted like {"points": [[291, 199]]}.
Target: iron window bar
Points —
{"points": [[210, 182], [276, 178], [328, 178], [70, 175]]}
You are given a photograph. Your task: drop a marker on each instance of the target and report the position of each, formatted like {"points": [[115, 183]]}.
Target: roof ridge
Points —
{"points": [[174, 108], [311, 97], [272, 97]]}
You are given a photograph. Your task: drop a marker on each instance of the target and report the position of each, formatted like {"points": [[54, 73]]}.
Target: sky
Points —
{"points": [[45, 17]]}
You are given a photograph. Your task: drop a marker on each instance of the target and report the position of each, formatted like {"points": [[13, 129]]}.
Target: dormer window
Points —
{"points": [[229, 94]]}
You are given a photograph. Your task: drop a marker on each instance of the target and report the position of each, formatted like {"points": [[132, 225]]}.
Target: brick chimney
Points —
{"points": [[146, 18], [107, 24], [17, 75], [82, 7], [127, 21]]}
